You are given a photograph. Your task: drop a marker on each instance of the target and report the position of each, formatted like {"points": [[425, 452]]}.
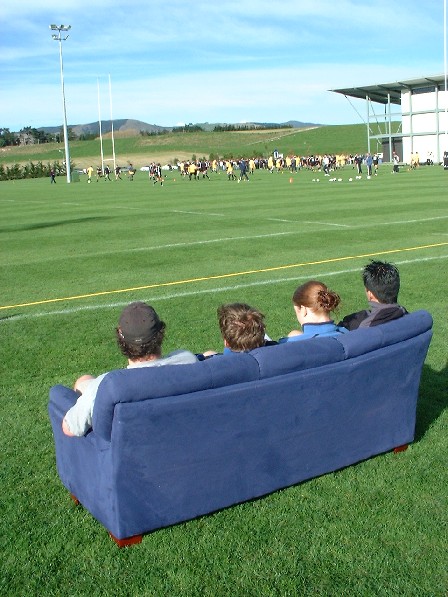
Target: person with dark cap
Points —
{"points": [[140, 334]]}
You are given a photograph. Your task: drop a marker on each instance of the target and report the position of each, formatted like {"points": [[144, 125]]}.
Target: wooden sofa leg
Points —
{"points": [[400, 448], [127, 541], [75, 499]]}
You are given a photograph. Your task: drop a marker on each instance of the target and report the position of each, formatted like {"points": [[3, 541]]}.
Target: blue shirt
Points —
{"points": [[311, 330]]}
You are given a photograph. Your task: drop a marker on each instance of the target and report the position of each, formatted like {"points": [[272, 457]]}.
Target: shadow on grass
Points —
{"points": [[38, 226], [433, 399], [6, 317]]}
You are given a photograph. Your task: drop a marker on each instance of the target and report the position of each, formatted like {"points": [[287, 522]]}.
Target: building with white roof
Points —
{"points": [[410, 117]]}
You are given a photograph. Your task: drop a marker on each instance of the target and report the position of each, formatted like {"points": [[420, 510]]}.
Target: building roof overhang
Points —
{"points": [[383, 93]]}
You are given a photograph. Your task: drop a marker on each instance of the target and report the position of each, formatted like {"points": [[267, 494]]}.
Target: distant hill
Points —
{"points": [[300, 125], [209, 126], [93, 128], [124, 125]]}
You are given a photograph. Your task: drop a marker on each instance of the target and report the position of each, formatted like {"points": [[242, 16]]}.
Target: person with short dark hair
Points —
{"points": [[140, 335], [382, 285], [313, 303]]}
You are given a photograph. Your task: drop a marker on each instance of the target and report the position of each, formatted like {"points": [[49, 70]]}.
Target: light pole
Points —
{"points": [[60, 39]]}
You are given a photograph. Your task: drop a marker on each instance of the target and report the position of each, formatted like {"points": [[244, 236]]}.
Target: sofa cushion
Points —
{"points": [[297, 356], [134, 385]]}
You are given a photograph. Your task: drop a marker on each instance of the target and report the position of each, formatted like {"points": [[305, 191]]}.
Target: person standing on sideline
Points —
{"points": [[89, 174], [369, 164], [52, 176], [395, 161], [243, 170]]}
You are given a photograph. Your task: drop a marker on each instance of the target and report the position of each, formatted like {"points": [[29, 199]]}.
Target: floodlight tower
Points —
{"points": [[58, 37]]}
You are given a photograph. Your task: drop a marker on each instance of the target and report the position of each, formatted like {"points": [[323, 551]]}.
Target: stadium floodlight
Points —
{"points": [[60, 39], [60, 27]]}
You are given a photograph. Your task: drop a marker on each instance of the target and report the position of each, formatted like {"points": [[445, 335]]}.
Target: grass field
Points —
{"points": [[73, 255]]}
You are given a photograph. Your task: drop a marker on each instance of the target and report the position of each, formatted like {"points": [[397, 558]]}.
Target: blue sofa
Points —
{"points": [[172, 443]]}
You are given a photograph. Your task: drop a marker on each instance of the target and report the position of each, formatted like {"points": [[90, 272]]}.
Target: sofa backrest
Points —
{"points": [[135, 385], [224, 374], [297, 356], [366, 340]]}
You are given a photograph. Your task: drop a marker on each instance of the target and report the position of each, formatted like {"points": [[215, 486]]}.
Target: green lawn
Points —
{"points": [[73, 255]]}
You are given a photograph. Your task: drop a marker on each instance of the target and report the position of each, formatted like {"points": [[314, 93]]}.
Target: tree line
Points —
{"points": [[31, 136]]}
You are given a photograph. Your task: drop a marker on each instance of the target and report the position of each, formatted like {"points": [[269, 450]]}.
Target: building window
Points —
{"points": [[419, 90]]}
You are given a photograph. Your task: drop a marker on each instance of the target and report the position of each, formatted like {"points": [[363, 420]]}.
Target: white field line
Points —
{"points": [[229, 238], [214, 290], [330, 224], [168, 246], [196, 213], [30, 201], [71, 203], [108, 207], [405, 222], [125, 207]]}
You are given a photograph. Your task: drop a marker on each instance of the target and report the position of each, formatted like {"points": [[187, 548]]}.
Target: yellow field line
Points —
{"points": [[221, 276]]}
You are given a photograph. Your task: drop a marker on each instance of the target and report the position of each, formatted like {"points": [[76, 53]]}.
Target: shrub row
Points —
{"points": [[31, 170]]}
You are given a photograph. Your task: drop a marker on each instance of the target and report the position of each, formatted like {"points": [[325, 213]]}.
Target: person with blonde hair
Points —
{"points": [[313, 304]]}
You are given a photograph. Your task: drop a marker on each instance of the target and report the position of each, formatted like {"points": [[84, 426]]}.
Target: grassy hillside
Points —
{"points": [[166, 148]]}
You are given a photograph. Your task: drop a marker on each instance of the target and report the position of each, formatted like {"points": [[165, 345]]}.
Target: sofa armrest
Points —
{"points": [[61, 400]]}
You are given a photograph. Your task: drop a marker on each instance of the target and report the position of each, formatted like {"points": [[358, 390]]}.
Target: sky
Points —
{"points": [[172, 62]]}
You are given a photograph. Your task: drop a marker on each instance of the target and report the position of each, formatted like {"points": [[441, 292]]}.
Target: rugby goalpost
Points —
{"points": [[113, 158]]}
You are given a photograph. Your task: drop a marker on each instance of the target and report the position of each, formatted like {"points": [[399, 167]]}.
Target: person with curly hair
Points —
{"points": [[313, 303], [242, 329], [139, 335]]}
